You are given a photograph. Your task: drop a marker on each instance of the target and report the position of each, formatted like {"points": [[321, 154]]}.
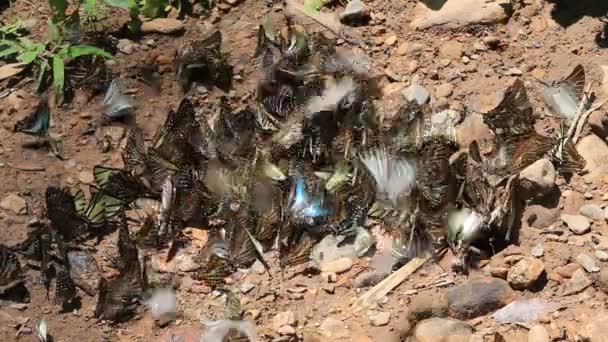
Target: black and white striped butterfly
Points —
{"points": [[116, 104]]}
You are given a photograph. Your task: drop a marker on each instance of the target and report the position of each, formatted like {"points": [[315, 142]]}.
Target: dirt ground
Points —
{"points": [[539, 40]]}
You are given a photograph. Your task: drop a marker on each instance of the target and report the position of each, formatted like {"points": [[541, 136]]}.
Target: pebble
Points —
{"points": [[451, 50], [355, 10], [444, 90], [578, 224], [579, 282], [568, 270], [247, 287], [465, 60], [538, 251], [391, 40], [282, 319], [540, 217], [592, 211], [606, 213], [14, 203], [491, 41], [412, 66], [402, 49], [525, 273], [538, 178], [417, 93], [538, 333], [427, 305], [602, 280], [514, 72], [379, 319], [587, 263], [333, 328], [442, 329], [337, 266], [588, 195], [478, 297], [601, 256], [126, 46], [287, 330]]}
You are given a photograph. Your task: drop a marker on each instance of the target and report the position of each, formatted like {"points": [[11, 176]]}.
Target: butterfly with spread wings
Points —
{"points": [[37, 125], [564, 96]]}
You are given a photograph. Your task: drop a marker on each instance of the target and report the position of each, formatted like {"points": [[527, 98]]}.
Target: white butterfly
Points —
{"points": [[394, 177], [42, 331], [116, 104]]}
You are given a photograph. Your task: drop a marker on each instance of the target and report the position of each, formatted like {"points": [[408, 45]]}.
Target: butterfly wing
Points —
{"points": [[61, 211], [513, 115], [10, 270], [116, 104], [575, 82], [134, 153], [37, 123]]}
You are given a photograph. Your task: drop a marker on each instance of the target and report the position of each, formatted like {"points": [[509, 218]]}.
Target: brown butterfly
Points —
{"points": [[513, 115]]}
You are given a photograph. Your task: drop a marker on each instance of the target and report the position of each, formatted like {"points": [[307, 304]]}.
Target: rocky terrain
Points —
{"points": [[550, 286]]}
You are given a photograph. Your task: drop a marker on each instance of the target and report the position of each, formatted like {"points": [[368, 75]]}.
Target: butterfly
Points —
{"points": [[393, 177], [513, 115], [100, 208], [563, 97], [65, 290], [37, 123], [119, 184], [201, 60], [116, 104], [61, 209], [10, 270]]}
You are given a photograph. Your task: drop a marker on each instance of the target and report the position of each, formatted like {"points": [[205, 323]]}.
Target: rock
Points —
{"points": [[577, 284], [282, 319], [417, 93], [368, 279], [568, 270], [478, 297], [606, 213], [247, 287], [126, 46], [572, 202], [601, 256], [427, 305], [333, 328], [379, 319], [587, 263], [442, 330], [525, 273], [514, 72], [391, 40], [602, 280], [287, 330], [598, 121], [355, 11], [337, 266], [540, 217], [595, 152], [451, 50], [538, 251], [592, 211], [578, 224], [403, 49], [444, 90], [471, 129], [84, 272], [538, 333], [162, 25], [86, 177], [460, 13], [538, 178], [596, 329], [14, 203]]}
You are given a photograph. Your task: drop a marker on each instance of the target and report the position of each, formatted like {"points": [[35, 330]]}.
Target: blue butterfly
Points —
{"points": [[38, 122], [116, 104], [306, 206]]}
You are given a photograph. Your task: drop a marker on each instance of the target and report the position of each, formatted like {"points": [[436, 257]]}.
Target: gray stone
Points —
{"points": [[525, 273], [538, 178], [601, 256], [592, 211], [84, 272], [587, 263], [15, 204], [379, 319], [578, 224], [479, 297], [578, 283], [355, 11], [442, 330], [538, 333], [417, 93]]}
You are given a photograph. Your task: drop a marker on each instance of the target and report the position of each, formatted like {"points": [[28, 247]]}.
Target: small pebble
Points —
{"points": [[601, 255], [538, 251]]}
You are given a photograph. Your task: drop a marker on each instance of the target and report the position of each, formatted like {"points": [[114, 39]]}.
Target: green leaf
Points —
{"points": [[11, 50], [41, 71], [59, 7], [58, 77], [82, 50], [154, 8], [29, 56], [312, 7], [129, 5]]}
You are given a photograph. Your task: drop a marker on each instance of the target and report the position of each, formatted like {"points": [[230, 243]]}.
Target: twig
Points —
{"points": [[388, 284], [581, 123]]}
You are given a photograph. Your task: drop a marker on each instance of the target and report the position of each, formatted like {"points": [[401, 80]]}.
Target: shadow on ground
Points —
{"points": [[568, 12]]}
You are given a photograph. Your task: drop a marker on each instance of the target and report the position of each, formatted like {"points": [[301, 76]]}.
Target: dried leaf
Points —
{"points": [[12, 69]]}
